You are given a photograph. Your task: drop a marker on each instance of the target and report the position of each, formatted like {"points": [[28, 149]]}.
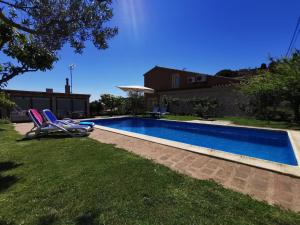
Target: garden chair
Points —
{"points": [[155, 112], [66, 123], [43, 128]]}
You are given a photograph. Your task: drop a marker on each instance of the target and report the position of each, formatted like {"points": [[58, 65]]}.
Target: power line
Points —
{"points": [[295, 40], [295, 36]]}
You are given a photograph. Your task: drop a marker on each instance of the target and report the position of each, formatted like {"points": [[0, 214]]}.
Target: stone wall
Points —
{"points": [[227, 96]]}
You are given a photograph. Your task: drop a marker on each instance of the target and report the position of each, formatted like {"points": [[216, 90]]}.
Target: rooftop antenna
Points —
{"points": [[71, 68]]}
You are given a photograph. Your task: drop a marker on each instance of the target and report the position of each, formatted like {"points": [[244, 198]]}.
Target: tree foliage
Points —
{"points": [[264, 95], [136, 103], [33, 31], [28, 56], [96, 107], [111, 102], [243, 74], [5, 102], [54, 22], [227, 73], [117, 105], [205, 107], [280, 83], [286, 78]]}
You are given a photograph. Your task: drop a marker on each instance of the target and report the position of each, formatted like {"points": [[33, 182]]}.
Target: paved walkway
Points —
{"points": [[261, 184]]}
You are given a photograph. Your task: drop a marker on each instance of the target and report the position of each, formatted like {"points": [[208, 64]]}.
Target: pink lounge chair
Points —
{"points": [[43, 128]]}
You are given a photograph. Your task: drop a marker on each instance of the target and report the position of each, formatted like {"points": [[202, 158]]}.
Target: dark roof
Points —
{"points": [[210, 82], [43, 93], [175, 70]]}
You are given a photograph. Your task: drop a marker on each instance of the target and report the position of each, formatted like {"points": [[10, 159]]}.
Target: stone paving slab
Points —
{"points": [[261, 184], [215, 122]]}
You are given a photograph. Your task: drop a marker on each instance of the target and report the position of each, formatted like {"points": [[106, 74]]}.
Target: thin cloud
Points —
{"points": [[132, 15]]}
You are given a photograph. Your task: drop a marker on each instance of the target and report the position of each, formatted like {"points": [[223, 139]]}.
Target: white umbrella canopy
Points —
{"points": [[137, 89]]}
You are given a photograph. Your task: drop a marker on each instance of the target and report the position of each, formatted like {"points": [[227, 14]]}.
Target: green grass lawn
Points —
{"points": [[180, 118], [261, 123], [242, 121], [81, 181]]}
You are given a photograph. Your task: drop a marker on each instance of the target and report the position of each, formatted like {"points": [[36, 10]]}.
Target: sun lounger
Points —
{"points": [[155, 112], [158, 112], [163, 111], [66, 123], [43, 128]]}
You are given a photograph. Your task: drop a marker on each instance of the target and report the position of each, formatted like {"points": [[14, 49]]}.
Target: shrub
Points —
{"points": [[203, 107], [96, 108], [4, 121], [135, 103], [206, 107]]}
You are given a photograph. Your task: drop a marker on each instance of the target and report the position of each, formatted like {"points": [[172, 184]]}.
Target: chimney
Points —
{"points": [[67, 87], [49, 90]]}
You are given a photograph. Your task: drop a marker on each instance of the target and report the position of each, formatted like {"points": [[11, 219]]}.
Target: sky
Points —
{"points": [[198, 35]]}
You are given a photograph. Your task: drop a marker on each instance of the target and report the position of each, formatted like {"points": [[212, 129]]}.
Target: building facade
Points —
{"points": [[62, 104], [181, 84]]}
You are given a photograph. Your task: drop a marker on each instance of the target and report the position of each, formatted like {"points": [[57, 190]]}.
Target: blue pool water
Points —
{"points": [[258, 143]]}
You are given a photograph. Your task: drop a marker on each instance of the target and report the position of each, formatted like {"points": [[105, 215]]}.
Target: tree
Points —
{"points": [[263, 66], [280, 83], [44, 27], [227, 73], [5, 102], [264, 95], [111, 102], [205, 107], [287, 74], [29, 56], [136, 102], [96, 107]]}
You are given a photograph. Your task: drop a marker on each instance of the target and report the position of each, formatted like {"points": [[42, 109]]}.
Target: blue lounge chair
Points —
{"points": [[67, 122], [155, 112], [158, 112], [163, 111], [43, 128]]}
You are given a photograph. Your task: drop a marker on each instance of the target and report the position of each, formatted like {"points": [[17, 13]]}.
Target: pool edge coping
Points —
{"points": [[259, 163]]}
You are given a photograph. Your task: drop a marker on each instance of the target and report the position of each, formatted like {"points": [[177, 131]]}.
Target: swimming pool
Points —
{"points": [[271, 145]]}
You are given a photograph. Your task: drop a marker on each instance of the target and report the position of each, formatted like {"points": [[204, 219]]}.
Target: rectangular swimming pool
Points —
{"points": [[271, 145]]}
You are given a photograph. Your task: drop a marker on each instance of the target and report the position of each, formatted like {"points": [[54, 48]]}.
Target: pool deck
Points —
{"points": [[261, 184]]}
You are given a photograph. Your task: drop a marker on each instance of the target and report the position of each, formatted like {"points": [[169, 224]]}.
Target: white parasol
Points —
{"points": [[140, 89]]}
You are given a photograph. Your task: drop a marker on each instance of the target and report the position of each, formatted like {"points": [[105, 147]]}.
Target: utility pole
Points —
{"points": [[71, 67]]}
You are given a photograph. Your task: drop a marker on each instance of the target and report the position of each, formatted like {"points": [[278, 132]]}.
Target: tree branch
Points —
{"points": [[16, 72], [16, 25], [15, 6]]}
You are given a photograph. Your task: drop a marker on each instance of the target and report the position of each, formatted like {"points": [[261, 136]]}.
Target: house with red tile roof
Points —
{"points": [[182, 84]]}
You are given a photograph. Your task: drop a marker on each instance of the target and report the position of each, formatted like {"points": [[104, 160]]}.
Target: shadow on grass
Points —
{"points": [[9, 165], [47, 220], [4, 222], [44, 138], [88, 218], [7, 181]]}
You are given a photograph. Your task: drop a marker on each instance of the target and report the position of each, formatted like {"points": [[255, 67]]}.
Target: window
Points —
{"points": [[200, 79], [191, 80], [175, 81]]}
